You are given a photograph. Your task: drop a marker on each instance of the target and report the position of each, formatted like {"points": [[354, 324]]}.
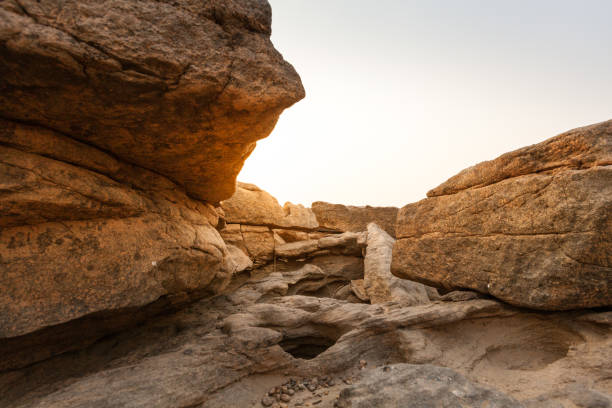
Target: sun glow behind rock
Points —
{"points": [[402, 95]]}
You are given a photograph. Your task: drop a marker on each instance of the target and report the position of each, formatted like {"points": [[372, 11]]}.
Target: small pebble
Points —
{"points": [[267, 401], [317, 402]]}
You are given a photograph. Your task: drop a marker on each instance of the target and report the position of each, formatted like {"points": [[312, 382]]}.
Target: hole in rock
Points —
{"points": [[307, 347]]}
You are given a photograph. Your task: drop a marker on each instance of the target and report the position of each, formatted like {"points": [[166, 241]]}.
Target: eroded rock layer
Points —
{"points": [[122, 124], [268, 342], [532, 227]]}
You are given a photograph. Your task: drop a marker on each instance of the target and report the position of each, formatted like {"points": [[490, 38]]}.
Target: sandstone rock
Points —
{"points": [[148, 81], [297, 249], [75, 242], [289, 235], [253, 206], [116, 118], [425, 386], [241, 260], [348, 243], [380, 285], [310, 279], [358, 288], [259, 243], [540, 240], [580, 148], [224, 351], [350, 218]]}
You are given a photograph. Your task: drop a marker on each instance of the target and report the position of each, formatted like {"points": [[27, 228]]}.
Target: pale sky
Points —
{"points": [[401, 95]]}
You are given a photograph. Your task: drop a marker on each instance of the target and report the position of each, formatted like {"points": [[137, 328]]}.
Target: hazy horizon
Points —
{"points": [[402, 95]]}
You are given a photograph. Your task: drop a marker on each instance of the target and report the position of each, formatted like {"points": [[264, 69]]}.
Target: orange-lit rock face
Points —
{"points": [[74, 241], [532, 227], [121, 123], [184, 88]]}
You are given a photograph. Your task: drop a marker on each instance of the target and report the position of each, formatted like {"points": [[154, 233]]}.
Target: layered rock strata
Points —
{"points": [[532, 227], [122, 124], [345, 218]]}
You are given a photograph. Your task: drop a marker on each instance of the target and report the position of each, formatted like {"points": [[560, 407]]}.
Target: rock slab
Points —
{"points": [[537, 235], [122, 124], [351, 218], [420, 386]]}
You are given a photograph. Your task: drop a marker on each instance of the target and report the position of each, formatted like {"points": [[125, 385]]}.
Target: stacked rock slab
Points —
{"points": [[122, 123], [345, 218], [532, 227], [257, 224]]}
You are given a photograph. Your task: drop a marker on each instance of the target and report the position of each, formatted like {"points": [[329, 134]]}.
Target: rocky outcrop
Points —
{"points": [[379, 284], [425, 386], [184, 89], [345, 218], [279, 339], [252, 206], [532, 227], [122, 123]]}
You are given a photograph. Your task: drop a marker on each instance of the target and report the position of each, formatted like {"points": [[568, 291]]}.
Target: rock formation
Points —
{"points": [[122, 124], [532, 227], [272, 340], [181, 88], [132, 275], [345, 218]]}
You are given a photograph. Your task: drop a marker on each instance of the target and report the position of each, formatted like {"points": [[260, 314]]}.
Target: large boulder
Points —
{"points": [[532, 227], [122, 123], [184, 88], [252, 206], [345, 218]]}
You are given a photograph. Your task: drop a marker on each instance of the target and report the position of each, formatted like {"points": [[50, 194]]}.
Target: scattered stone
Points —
{"points": [[267, 401]]}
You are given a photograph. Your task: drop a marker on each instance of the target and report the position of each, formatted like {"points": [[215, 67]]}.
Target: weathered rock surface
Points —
{"points": [[252, 206], [348, 243], [182, 88], [75, 241], [118, 118], [580, 148], [420, 386], [351, 218], [379, 284], [232, 350], [541, 240]]}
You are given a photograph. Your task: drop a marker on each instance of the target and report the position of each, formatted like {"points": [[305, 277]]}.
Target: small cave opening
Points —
{"points": [[307, 347]]}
